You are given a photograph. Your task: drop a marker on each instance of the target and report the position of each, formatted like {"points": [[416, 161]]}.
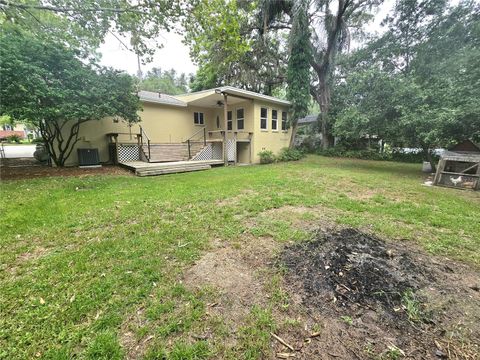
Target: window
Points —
{"points": [[218, 122], [284, 120], [198, 118], [263, 118], [274, 120], [229, 120], [240, 119], [7, 127]]}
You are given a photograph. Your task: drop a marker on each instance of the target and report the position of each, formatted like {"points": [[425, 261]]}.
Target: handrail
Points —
{"points": [[188, 141], [196, 133], [143, 133]]}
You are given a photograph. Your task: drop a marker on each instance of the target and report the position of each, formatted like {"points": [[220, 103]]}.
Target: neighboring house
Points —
{"points": [[192, 127], [19, 130]]}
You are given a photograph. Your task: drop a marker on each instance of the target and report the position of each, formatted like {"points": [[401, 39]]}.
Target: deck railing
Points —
{"points": [[143, 134], [200, 135]]}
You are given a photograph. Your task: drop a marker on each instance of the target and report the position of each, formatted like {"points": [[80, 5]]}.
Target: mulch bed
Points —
{"points": [[29, 168], [357, 278]]}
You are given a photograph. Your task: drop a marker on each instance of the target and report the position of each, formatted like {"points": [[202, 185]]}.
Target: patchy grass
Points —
{"points": [[79, 256]]}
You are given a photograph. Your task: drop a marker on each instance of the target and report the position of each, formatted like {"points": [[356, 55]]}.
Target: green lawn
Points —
{"points": [[78, 256]]}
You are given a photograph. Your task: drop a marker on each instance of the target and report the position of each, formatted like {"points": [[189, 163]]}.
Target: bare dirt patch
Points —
{"points": [[133, 346], [374, 298], [25, 257], [232, 270], [31, 169]]}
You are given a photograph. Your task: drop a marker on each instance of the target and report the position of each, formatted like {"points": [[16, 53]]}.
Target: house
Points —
{"points": [[18, 129], [219, 126]]}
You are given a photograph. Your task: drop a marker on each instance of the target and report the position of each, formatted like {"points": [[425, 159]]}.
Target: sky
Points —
{"points": [[175, 54]]}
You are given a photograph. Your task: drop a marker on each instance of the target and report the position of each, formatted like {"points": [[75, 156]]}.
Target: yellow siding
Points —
{"points": [[162, 124], [268, 139], [165, 124]]}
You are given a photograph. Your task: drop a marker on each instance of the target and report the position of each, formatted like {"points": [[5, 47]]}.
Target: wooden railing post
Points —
{"points": [[204, 136], [225, 127], [189, 151], [148, 144]]}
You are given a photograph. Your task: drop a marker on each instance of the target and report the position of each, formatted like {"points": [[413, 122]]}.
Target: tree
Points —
{"points": [[330, 23], [43, 83], [84, 24], [298, 70], [408, 26], [164, 81], [224, 40], [426, 97]]}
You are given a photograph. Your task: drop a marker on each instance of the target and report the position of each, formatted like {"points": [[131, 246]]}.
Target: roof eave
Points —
{"points": [[253, 95], [163, 103]]}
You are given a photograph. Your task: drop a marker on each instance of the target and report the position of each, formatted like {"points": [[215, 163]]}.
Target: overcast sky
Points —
{"points": [[175, 54]]}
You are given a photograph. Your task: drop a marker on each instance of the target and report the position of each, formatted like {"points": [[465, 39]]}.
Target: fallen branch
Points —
{"points": [[281, 341], [285, 355]]}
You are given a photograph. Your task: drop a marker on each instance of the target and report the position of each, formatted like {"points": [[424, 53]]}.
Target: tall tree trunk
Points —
{"points": [[323, 100], [59, 147], [294, 134]]}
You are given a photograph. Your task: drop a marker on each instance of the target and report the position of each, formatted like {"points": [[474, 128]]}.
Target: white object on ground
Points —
{"points": [[19, 151]]}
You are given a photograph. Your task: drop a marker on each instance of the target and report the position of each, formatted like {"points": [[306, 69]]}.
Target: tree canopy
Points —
{"points": [[45, 84], [225, 41], [420, 92], [164, 81], [84, 24]]}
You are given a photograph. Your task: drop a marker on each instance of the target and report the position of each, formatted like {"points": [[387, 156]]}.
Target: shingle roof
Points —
{"points": [[158, 98]]}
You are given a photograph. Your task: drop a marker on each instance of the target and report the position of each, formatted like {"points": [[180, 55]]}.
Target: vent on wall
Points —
{"points": [[88, 157]]}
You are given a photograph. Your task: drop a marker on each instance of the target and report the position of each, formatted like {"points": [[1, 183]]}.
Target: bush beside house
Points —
{"points": [[392, 155], [285, 154]]}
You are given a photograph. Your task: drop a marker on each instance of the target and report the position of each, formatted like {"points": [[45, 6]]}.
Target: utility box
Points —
{"points": [[88, 158]]}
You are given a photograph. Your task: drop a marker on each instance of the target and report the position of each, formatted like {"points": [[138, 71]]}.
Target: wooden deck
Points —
{"points": [[142, 168]]}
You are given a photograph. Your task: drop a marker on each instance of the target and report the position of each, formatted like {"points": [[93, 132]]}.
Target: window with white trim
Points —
{"points": [[274, 120], [284, 120], [240, 119], [229, 120], [263, 118], [198, 118]]}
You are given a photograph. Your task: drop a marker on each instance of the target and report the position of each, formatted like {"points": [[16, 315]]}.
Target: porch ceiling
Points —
{"points": [[212, 101]]}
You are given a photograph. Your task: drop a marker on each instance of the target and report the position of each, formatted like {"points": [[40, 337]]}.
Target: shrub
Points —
{"points": [[38, 140], [393, 155], [287, 154], [14, 138], [266, 157]]}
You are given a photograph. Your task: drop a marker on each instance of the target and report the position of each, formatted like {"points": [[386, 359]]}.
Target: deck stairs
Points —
{"points": [[172, 152], [172, 167], [142, 168], [194, 154]]}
